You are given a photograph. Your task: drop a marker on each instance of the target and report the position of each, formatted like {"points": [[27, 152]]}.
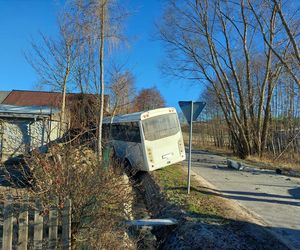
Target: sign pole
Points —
{"points": [[191, 110], [190, 150]]}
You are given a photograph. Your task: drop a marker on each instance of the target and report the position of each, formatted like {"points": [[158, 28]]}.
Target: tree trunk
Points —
{"points": [[64, 94], [101, 90]]}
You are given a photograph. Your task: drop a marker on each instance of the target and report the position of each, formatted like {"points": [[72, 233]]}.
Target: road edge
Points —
{"points": [[240, 210]]}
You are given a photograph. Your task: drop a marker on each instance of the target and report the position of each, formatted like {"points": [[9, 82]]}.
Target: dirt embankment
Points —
{"points": [[205, 221]]}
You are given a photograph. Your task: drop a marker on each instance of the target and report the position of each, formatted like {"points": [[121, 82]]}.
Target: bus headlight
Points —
{"points": [[149, 154], [181, 146]]}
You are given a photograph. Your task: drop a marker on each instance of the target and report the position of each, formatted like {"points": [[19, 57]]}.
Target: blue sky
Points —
{"points": [[22, 19]]}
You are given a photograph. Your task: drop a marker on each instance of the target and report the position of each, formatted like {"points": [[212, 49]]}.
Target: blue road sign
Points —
{"points": [[186, 107], [191, 111]]}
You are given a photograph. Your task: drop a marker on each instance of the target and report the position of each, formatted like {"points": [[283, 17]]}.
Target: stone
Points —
{"points": [[234, 164]]}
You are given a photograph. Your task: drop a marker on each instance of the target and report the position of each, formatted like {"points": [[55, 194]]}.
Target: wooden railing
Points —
{"points": [[22, 232]]}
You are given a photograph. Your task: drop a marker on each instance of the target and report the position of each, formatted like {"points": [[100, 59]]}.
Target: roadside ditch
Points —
{"points": [[204, 221]]}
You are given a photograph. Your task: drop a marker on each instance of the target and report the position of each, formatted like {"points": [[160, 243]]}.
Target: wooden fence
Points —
{"points": [[22, 232]]}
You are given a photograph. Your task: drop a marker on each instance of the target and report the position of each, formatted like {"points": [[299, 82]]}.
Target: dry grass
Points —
{"points": [[267, 161], [285, 162]]}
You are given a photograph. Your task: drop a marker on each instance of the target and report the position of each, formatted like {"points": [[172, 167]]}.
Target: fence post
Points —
{"points": [[7, 224], [23, 226], [38, 227], [53, 225], [66, 225]]}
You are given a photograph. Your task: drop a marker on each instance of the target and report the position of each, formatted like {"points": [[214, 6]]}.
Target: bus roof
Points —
{"points": [[134, 117]]}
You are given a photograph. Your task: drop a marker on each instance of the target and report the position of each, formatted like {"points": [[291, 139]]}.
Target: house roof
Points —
{"points": [[33, 98], [26, 111], [41, 98]]}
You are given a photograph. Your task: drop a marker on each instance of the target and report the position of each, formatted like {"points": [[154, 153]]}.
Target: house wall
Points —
{"points": [[20, 136]]}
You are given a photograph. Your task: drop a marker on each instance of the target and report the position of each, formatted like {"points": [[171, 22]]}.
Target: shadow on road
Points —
{"points": [[248, 196]]}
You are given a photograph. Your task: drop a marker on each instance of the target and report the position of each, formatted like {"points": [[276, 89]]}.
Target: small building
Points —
{"points": [[81, 109], [24, 128], [31, 119]]}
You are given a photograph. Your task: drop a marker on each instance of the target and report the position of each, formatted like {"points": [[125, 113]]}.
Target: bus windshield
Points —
{"points": [[159, 127]]}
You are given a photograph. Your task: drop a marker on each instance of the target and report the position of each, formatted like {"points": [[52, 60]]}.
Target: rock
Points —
{"points": [[234, 164]]}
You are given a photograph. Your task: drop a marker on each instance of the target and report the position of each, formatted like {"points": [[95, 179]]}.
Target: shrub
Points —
{"points": [[100, 196]]}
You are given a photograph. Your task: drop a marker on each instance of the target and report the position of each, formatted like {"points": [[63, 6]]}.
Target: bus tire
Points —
{"points": [[129, 169]]}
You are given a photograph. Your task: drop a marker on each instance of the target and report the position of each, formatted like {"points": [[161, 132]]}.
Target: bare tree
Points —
{"points": [[54, 59], [102, 24], [286, 45], [101, 65], [148, 99], [220, 43], [122, 91]]}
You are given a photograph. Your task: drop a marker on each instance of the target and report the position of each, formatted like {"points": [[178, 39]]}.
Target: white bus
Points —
{"points": [[147, 140]]}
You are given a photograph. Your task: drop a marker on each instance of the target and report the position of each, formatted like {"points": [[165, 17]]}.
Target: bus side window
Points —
{"points": [[114, 132], [106, 131], [119, 132], [126, 132], [135, 135]]}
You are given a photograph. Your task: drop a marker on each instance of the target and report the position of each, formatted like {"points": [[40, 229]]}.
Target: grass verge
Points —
{"points": [[199, 205]]}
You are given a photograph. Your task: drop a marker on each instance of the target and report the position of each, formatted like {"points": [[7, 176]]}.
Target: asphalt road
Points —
{"points": [[272, 197]]}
